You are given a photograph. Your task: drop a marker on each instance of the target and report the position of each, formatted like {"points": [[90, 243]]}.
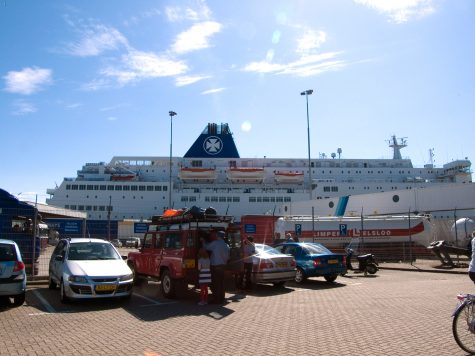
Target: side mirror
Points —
{"points": [[59, 258], [124, 257]]}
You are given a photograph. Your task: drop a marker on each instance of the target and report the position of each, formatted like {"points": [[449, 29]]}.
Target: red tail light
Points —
{"points": [[344, 260], [19, 266], [265, 264], [317, 262], [293, 263]]}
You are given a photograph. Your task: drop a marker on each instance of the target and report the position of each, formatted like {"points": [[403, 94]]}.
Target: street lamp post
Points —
{"points": [[307, 93], [171, 113]]}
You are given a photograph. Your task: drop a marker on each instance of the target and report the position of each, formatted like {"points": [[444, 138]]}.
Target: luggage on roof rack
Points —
{"points": [[189, 215]]}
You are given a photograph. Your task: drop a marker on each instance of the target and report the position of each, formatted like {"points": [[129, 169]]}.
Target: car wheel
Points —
{"points": [[52, 284], [19, 299], [167, 284], [300, 275], [279, 284], [331, 278], [62, 294]]}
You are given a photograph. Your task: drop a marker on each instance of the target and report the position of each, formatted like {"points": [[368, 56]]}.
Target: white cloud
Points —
{"points": [[303, 67], [95, 40], [22, 107], [187, 80], [213, 91], [310, 40], [112, 118], [400, 11], [27, 81], [177, 13], [197, 37], [138, 65]]}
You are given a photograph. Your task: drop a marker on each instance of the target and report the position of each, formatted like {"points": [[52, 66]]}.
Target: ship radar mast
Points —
{"points": [[396, 146]]}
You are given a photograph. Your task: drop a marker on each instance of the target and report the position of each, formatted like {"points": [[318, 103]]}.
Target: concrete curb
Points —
{"points": [[416, 269]]}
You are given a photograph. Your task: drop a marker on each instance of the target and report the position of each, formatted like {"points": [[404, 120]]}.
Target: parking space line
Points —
{"points": [[47, 305], [154, 302]]}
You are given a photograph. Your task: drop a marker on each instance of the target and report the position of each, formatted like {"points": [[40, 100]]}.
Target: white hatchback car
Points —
{"points": [[12, 272], [89, 268]]}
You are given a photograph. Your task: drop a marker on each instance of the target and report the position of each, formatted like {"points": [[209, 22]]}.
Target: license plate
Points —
{"points": [[105, 287], [281, 264], [332, 262]]}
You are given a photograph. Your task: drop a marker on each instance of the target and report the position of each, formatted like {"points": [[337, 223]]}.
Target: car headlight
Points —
{"points": [[77, 279], [127, 277]]}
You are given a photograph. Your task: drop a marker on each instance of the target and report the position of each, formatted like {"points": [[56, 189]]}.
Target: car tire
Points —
{"points": [[300, 276], [19, 299], [52, 284], [62, 294], [167, 285], [331, 279]]}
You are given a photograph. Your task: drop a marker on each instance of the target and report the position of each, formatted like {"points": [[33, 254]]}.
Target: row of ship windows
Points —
{"points": [[89, 207], [238, 199], [140, 188]]}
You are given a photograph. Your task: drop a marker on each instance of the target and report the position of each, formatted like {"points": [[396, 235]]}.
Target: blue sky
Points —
{"points": [[82, 81]]}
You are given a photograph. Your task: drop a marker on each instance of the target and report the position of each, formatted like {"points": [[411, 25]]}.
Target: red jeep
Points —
{"points": [[170, 248]]}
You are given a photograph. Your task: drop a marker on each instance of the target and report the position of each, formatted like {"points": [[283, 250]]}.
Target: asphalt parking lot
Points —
{"points": [[391, 313]]}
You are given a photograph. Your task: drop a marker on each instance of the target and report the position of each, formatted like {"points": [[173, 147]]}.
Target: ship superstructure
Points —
{"points": [[213, 174]]}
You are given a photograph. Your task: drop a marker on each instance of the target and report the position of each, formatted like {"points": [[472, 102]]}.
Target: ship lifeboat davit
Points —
{"points": [[246, 174], [197, 173], [288, 177]]}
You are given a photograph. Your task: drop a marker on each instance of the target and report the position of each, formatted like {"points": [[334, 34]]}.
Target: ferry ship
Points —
{"points": [[212, 174]]}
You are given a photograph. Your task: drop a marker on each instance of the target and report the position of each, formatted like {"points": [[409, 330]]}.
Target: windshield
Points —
{"points": [[92, 251], [267, 249], [315, 248]]}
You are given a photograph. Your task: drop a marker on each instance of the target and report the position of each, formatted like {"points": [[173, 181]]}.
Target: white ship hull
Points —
{"points": [[212, 174]]}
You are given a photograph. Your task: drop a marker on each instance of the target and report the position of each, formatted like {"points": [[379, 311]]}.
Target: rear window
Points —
{"points": [[314, 248], [7, 253], [267, 249]]}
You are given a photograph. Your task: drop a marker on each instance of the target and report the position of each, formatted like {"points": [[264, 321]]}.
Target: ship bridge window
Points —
{"points": [[252, 199], [279, 199], [158, 188], [82, 187], [192, 198], [102, 187], [74, 187], [214, 199], [118, 187], [335, 189], [287, 199], [149, 188], [110, 187], [164, 188], [133, 187], [236, 199], [126, 187], [184, 199], [141, 188], [90, 187], [68, 186], [197, 163]]}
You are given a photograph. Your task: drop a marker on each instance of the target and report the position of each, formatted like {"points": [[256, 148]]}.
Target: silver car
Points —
{"points": [[272, 266], [12, 272], [89, 268]]}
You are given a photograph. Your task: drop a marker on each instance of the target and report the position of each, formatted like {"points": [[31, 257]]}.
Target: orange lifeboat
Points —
{"points": [[288, 177], [123, 177], [246, 174], [197, 173]]}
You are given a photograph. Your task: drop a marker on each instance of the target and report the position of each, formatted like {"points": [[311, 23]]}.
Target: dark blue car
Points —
{"points": [[314, 260]]}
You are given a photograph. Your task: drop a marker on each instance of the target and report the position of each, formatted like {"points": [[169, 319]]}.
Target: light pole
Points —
{"points": [[307, 93], [171, 113]]}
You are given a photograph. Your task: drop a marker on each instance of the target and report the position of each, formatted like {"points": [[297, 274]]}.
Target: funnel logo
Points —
{"points": [[213, 145]]}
